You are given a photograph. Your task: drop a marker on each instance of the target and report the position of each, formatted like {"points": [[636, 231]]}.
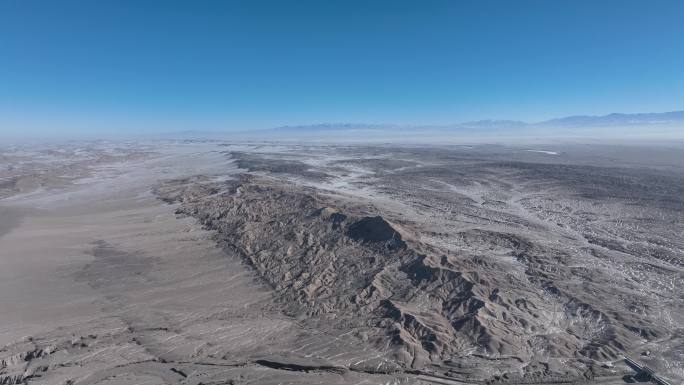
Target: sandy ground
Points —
{"points": [[11, 218], [45, 238]]}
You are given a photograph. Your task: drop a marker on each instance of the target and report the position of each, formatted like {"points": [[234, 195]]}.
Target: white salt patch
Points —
{"points": [[544, 152]]}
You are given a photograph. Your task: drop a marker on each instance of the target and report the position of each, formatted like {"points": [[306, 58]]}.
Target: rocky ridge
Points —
{"points": [[344, 264]]}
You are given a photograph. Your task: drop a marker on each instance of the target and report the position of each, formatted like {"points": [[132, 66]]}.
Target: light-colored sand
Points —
{"points": [[47, 237], [11, 218]]}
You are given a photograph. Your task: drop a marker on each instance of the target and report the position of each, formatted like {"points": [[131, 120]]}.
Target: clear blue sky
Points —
{"points": [[145, 65]]}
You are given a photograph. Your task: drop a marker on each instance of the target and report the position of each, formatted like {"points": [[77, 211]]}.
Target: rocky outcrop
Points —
{"points": [[17, 361], [334, 261]]}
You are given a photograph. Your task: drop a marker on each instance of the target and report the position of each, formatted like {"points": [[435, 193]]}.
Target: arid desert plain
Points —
{"points": [[216, 262]]}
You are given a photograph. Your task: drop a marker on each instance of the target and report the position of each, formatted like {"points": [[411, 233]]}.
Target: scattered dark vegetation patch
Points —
{"points": [[255, 162]]}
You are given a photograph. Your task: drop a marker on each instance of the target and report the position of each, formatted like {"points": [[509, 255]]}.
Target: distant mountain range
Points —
{"points": [[618, 119], [644, 126], [577, 121]]}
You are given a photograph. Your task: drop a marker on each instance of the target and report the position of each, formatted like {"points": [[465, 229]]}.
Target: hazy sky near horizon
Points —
{"points": [[71, 67]]}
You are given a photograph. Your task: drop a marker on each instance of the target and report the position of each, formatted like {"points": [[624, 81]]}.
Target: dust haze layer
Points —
{"points": [[616, 127], [218, 262]]}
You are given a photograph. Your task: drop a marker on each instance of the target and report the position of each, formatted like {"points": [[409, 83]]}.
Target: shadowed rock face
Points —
{"points": [[375, 230]]}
